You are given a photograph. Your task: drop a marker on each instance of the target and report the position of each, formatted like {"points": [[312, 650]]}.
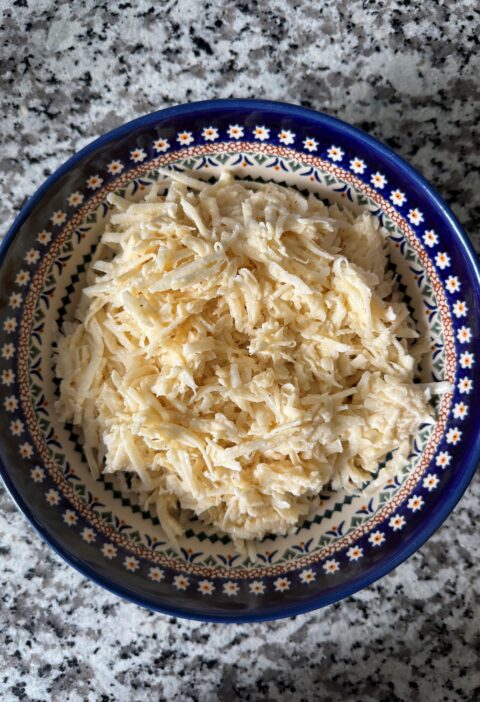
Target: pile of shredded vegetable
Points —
{"points": [[238, 348]]}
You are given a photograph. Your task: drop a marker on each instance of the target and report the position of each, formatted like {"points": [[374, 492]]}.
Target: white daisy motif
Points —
{"points": [[378, 180], [9, 325], [415, 216], [443, 459], [161, 145], [26, 450], [32, 256], [397, 522], [281, 584], [15, 300], [464, 335], [453, 436], [286, 137], [22, 277], [210, 133], [307, 576], [156, 574], [376, 538], [442, 261], [10, 403], [452, 284], [430, 238], [465, 386], [460, 309], [206, 587], [181, 582], [75, 199], [430, 482], [398, 198], [131, 564], [94, 182], [331, 566], [230, 589], [138, 155], [184, 138], [460, 410], [257, 587], [115, 167], [17, 427], [357, 165], [310, 144], [44, 237], [335, 153], [415, 503], [466, 359], [69, 517], [38, 474], [261, 133], [235, 131], [52, 497], [8, 350], [58, 218], [8, 377], [88, 535], [109, 551], [354, 553]]}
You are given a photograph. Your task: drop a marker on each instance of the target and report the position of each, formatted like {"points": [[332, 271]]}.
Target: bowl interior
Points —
{"points": [[99, 524]]}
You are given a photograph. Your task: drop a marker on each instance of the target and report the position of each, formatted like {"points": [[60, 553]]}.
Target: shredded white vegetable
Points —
{"points": [[238, 348]]}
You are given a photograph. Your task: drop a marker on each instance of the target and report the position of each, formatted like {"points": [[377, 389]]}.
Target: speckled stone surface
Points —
{"points": [[409, 76]]}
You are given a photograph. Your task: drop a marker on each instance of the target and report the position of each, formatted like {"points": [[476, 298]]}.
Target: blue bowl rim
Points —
{"points": [[430, 525]]}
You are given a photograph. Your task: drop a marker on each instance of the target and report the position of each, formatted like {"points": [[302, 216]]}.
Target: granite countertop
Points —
{"points": [[409, 76]]}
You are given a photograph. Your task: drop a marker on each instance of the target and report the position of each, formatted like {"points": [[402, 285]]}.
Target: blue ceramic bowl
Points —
{"points": [[353, 540]]}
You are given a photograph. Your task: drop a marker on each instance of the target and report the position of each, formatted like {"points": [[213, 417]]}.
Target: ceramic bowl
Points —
{"points": [[353, 539]]}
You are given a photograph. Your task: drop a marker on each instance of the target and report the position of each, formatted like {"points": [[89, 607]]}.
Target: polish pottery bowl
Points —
{"points": [[353, 539]]}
